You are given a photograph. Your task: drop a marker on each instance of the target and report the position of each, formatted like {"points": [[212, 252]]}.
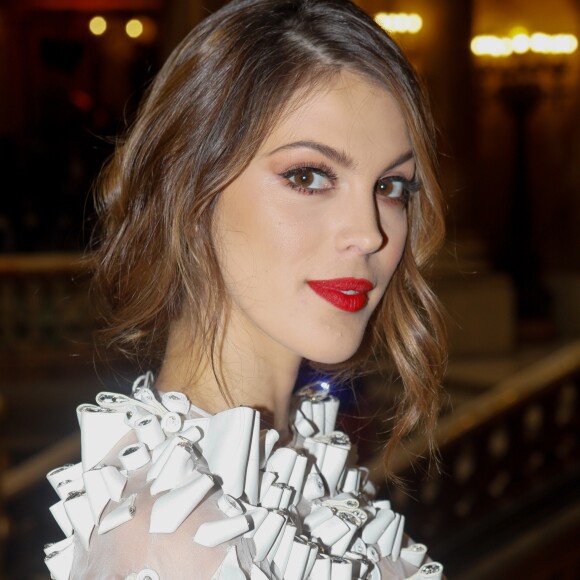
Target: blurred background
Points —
{"points": [[504, 81]]}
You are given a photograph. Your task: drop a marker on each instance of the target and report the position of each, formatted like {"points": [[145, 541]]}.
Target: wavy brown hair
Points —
{"points": [[205, 116]]}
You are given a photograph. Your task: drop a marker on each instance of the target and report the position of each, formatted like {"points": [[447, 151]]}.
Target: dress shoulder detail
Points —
{"points": [[285, 512]]}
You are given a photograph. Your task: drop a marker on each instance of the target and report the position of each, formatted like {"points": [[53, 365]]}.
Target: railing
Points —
{"points": [[4, 521], [525, 427], [23, 477], [500, 455], [43, 303], [517, 442]]}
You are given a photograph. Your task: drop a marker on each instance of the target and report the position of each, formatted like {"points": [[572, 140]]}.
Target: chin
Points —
{"points": [[334, 354]]}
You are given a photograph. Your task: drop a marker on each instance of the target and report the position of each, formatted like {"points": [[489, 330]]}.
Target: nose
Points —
{"points": [[360, 229]]}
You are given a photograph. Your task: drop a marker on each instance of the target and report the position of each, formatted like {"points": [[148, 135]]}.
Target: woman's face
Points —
{"points": [[309, 235]]}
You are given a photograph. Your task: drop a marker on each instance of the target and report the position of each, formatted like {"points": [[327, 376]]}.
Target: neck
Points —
{"points": [[253, 371]]}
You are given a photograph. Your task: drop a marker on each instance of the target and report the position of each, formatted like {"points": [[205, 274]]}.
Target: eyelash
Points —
{"points": [[321, 169], [409, 186]]}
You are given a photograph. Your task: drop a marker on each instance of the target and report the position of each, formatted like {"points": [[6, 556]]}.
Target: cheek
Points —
{"points": [[396, 230], [396, 227], [258, 242], [401, 236], [284, 233]]}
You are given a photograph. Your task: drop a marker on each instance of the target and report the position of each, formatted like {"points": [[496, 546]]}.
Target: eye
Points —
{"points": [[390, 187], [396, 188], [309, 179]]}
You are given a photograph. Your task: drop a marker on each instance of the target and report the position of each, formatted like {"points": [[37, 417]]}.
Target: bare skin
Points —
{"points": [[251, 379], [349, 143]]}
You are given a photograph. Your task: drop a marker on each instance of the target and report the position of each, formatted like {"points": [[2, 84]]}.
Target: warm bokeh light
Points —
{"points": [[518, 30], [565, 43], [491, 46], [98, 25], [134, 28], [540, 43], [399, 23], [522, 43], [415, 23]]}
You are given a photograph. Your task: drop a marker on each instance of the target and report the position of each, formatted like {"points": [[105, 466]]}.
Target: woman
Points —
{"points": [[272, 203]]}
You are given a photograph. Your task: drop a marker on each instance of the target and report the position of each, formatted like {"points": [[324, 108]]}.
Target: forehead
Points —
{"points": [[348, 112]]}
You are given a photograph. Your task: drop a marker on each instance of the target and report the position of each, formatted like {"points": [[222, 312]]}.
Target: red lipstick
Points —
{"points": [[348, 294]]}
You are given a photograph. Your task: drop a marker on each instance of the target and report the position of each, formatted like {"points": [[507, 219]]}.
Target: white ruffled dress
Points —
{"points": [[166, 491]]}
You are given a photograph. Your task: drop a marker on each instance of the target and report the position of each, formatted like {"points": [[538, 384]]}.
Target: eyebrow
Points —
{"points": [[339, 157], [402, 158]]}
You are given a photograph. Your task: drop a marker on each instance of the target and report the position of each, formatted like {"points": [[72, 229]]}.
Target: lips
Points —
{"points": [[348, 294]]}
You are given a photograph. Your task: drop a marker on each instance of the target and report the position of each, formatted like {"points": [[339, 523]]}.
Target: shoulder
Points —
{"points": [[172, 493]]}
